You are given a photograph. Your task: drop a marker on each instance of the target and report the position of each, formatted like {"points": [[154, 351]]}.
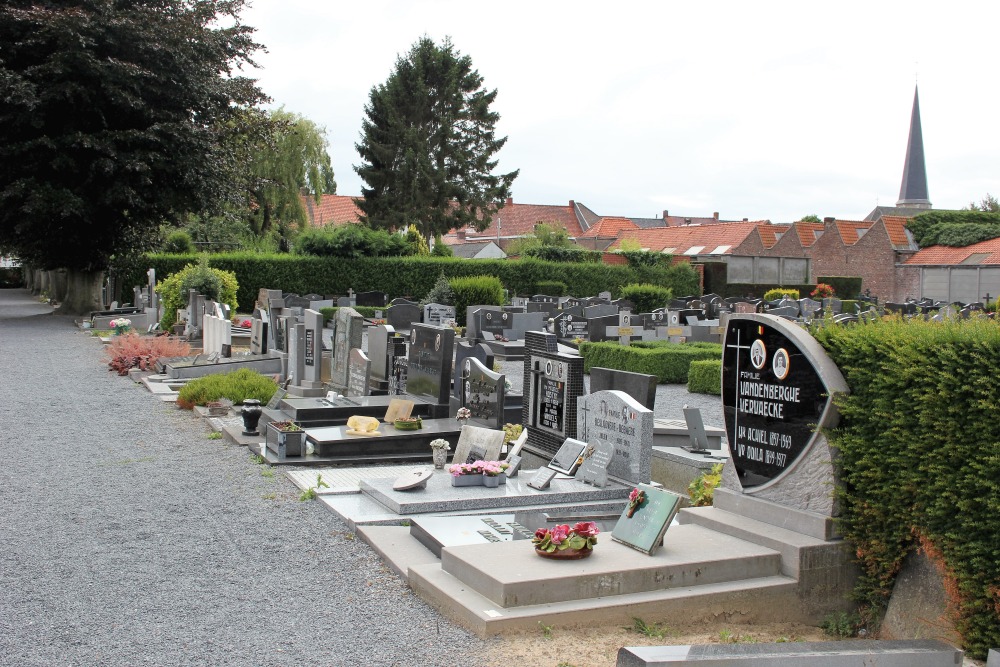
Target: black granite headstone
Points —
{"points": [[430, 358], [482, 393], [639, 386]]}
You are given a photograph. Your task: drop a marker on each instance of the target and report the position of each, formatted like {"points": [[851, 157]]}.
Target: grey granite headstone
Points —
{"points": [[489, 440], [482, 392], [596, 459], [347, 332], [358, 370], [438, 314], [521, 323], [378, 353], [402, 316], [313, 349], [464, 350], [615, 417]]}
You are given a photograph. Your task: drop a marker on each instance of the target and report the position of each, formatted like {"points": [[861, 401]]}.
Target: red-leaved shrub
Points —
{"points": [[134, 351]]}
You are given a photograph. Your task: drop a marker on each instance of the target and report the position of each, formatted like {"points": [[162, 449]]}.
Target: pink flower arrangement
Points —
{"points": [[488, 468], [635, 500], [581, 536]]}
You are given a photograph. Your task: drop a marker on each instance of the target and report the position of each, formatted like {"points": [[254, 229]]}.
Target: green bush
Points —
{"points": [[553, 253], [781, 292], [475, 290], [702, 488], [236, 386], [843, 286], [551, 287], [917, 450], [441, 249], [646, 297], [179, 243], [705, 377], [669, 362], [644, 258], [351, 241], [954, 228], [174, 289], [440, 293]]}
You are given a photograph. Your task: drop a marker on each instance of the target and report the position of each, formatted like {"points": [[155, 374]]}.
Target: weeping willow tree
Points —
{"points": [[293, 159]]}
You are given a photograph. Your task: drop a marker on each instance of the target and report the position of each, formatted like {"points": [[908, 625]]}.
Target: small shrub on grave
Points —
{"points": [[551, 287], [702, 488], [220, 285], [475, 290], [646, 297], [135, 351], [781, 293], [705, 377], [843, 286], [669, 362], [236, 386], [440, 293]]}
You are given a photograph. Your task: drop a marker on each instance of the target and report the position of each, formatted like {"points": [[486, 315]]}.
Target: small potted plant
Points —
{"points": [[408, 424], [479, 473], [286, 438], [121, 325], [440, 449], [564, 543]]}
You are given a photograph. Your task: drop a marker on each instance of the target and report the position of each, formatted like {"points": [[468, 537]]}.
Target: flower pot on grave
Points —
{"points": [[467, 480], [565, 554], [492, 481], [288, 443], [440, 458], [251, 416]]}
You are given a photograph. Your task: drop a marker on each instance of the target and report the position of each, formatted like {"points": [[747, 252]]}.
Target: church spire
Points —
{"points": [[913, 191]]}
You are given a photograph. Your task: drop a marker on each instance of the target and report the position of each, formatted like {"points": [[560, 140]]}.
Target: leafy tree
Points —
{"points": [[427, 145], [987, 204], [351, 241], [812, 217], [292, 159], [115, 117], [441, 249], [545, 235], [954, 228]]}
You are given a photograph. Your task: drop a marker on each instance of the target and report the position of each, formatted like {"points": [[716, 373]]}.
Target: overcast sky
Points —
{"points": [[757, 110]]}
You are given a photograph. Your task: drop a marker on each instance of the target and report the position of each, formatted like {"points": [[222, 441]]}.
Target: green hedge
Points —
{"points": [[669, 362], [475, 290], [409, 276], [919, 455], [647, 298], [705, 377], [551, 287], [844, 287]]}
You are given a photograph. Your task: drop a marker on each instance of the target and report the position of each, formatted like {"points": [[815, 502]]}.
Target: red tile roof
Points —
{"points": [[520, 220], [808, 232], [722, 236], [610, 227], [850, 230], [332, 210], [895, 227], [769, 234], [939, 255]]}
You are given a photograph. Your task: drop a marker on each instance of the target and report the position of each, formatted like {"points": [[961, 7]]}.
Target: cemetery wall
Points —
{"points": [[918, 455], [669, 362], [409, 276]]}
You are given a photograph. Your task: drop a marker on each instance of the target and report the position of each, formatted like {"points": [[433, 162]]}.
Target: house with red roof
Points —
{"points": [[331, 210], [966, 274]]}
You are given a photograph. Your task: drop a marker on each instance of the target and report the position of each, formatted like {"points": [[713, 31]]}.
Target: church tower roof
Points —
{"points": [[913, 191]]}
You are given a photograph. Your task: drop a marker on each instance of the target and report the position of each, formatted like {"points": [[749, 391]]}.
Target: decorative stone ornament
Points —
{"points": [[778, 386]]}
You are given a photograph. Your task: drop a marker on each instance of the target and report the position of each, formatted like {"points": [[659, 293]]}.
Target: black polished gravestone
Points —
{"points": [[639, 386], [372, 299], [463, 351], [553, 382], [493, 322], [403, 315], [777, 389], [430, 359]]}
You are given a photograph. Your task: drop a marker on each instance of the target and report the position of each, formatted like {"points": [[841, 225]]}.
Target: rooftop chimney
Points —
{"points": [[715, 215], [510, 200], [829, 220]]}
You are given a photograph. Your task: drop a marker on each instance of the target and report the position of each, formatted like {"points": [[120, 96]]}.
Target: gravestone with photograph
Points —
{"points": [[439, 315], [553, 381], [485, 441], [482, 393]]}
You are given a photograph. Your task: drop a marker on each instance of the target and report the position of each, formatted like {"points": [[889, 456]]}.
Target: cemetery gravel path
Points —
{"points": [[129, 538]]}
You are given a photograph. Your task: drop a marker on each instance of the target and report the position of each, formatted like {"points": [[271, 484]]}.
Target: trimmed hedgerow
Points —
{"points": [[473, 291], [551, 287], [669, 362], [705, 377], [236, 386], [919, 458], [781, 292], [411, 276]]}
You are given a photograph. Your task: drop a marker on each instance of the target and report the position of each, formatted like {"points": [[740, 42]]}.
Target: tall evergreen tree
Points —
{"points": [[115, 116], [428, 145]]}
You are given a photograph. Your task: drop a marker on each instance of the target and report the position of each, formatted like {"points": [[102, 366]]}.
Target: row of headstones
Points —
{"points": [[936, 310]]}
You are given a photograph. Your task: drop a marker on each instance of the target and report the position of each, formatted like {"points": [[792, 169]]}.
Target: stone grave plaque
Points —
{"points": [[399, 408], [464, 350], [594, 469], [644, 529], [568, 456], [438, 314], [475, 437], [275, 402], [358, 370], [617, 418], [397, 365], [513, 465], [482, 393], [543, 477], [429, 367], [476, 453], [550, 397], [777, 388], [414, 479]]}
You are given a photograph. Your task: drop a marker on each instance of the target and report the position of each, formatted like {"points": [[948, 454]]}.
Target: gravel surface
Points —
{"points": [[129, 538]]}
